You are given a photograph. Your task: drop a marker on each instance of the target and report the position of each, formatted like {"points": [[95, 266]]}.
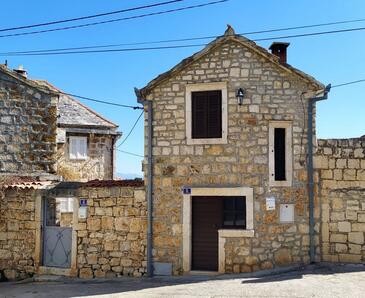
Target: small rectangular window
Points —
{"points": [[279, 154], [77, 147], [234, 212], [206, 114]]}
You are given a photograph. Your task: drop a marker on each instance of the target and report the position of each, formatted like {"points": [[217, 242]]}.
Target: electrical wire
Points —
{"points": [[116, 20], [348, 83], [89, 16], [82, 97], [129, 153], [131, 130], [175, 46]]}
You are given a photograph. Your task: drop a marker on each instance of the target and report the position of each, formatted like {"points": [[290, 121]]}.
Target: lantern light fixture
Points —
{"points": [[240, 96]]}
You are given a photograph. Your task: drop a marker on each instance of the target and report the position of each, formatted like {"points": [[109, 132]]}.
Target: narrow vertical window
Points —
{"points": [[279, 154]]}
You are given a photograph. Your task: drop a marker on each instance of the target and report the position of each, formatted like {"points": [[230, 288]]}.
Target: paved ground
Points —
{"points": [[315, 281]]}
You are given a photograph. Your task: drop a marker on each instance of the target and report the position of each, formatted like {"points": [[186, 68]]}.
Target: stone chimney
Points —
{"points": [[21, 71], [279, 49]]}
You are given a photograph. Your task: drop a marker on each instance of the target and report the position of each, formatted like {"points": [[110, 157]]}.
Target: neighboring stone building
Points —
{"points": [[85, 141], [28, 115], [229, 180], [43, 131]]}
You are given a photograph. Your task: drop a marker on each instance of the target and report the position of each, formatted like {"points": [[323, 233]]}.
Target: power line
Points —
{"points": [[348, 83], [197, 38], [83, 97], [129, 153], [133, 127], [47, 53], [115, 20], [90, 16]]}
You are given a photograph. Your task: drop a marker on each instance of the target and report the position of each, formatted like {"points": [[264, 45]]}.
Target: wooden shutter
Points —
{"points": [[214, 117], [207, 114]]}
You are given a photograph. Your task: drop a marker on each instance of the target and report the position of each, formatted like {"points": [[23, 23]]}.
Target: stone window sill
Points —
{"points": [[227, 233], [206, 141]]}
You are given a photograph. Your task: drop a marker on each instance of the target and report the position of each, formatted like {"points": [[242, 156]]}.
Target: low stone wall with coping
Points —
{"points": [[341, 168], [110, 241]]}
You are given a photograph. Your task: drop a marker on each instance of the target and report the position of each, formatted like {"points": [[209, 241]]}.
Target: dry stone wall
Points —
{"points": [[271, 94], [27, 128], [341, 167]]}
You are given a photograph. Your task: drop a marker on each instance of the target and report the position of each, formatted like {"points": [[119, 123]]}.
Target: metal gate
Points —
{"points": [[57, 232]]}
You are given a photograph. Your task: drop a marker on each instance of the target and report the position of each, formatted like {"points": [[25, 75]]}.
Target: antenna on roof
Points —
{"points": [[6, 62]]}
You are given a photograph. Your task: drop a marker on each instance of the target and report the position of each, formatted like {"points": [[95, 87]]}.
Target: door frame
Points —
{"points": [[38, 256], [187, 221]]}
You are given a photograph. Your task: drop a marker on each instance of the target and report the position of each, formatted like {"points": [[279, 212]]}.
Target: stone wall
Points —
{"points": [[271, 94], [98, 165], [27, 128], [17, 233], [112, 240], [341, 167]]}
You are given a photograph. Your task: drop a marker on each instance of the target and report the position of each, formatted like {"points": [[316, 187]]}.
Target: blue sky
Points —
{"points": [[333, 59]]}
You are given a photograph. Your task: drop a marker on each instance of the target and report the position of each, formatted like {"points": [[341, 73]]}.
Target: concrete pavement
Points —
{"points": [[323, 280]]}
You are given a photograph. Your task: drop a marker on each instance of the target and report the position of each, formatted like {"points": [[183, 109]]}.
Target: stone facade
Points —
{"points": [[272, 94], [99, 162], [27, 126], [109, 242], [112, 240], [341, 167], [17, 233]]}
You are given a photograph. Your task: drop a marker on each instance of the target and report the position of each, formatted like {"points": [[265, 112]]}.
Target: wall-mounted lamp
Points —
{"points": [[240, 96]]}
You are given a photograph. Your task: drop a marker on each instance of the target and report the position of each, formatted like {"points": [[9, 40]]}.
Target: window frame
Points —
{"points": [[190, 88], [235, 211], [288, 153], [77, 157]]}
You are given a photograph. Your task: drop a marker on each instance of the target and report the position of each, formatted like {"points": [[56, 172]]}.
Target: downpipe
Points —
{"points": [[310, 173], [148, 103]]}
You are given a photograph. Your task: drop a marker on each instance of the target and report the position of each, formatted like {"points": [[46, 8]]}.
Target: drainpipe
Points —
{"points": [[148, 103], [311, 105]]}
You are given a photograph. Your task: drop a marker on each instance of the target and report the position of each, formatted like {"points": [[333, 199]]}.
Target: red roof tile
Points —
{"points": [[111, 183]]}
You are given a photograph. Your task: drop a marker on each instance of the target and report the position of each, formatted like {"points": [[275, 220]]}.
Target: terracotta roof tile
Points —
{"points": [[111, 183]]}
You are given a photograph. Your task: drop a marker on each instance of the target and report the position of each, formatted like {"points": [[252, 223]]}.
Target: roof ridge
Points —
{"points": [[218, 42], [80, 103]]}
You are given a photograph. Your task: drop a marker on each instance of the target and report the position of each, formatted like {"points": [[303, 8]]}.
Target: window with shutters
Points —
{"points": [[206, 113], [77, 147], [280, 153]]}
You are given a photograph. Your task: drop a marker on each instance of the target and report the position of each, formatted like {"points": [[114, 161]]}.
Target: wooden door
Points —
{"points": [[207, 219]]}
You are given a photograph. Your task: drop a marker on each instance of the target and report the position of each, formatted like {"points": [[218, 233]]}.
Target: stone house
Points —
{"points": [[229, 168], [50, 131], [85, 141], [28, 117]]}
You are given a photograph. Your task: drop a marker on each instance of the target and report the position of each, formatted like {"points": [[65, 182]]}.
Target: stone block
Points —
{"points": [[107, 223], [283, 257], [349, 258], [338, 238], [344, 226], [355, 248], [320, 162], [356, 237], [341, 248], [93, 224], [86, 273], [360, 218], [358, 227], [121, 224], [337, 203]]}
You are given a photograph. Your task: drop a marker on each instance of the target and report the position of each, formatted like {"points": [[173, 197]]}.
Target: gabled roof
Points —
{"points": [[73, 113], [228, 37]]}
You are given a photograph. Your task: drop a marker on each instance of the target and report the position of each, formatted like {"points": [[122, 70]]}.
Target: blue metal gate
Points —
{"points": [[57, 232]]}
